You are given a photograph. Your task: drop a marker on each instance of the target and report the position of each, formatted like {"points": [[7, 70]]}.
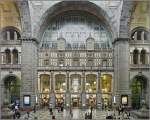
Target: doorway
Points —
{"points": [[75, 100]]}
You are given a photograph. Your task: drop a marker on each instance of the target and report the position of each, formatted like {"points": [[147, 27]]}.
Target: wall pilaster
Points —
{"points": [[29, 71], [121, 69]]}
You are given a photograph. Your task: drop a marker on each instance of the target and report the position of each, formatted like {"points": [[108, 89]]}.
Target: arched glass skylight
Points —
{"points": [[75, 27]]}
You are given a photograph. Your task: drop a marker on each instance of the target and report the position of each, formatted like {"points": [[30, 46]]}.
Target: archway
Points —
{"points": [[44, 89], [135, 56], [12, 88], [64, 6], [15, 56], [138, 89], [106, 83], [8, 56], [75, 80], [60, 89], [91, 89], [143, 56]]}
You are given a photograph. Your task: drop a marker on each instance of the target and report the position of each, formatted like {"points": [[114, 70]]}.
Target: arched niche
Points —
{"points": [[139, 88], [11, 88]]}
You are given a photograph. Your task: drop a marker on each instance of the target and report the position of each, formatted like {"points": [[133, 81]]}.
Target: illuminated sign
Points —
{"points": [[124, 99], [26, 100]]}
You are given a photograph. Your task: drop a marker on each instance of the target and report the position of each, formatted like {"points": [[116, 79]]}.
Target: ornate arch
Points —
{"points": [[71, 5], [126, 15], [127, 8], [23, 7]]}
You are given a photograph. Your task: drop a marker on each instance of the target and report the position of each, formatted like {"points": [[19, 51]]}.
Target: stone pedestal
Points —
{"points": [[83, 100], [99, 101]]}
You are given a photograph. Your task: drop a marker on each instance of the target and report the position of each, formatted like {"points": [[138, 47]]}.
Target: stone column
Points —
{"points": [[83, 90], [12, 60], [99, 94], [68, 95], [135, 36], [0, 94], [15, 35], [131, 58], [121, 69], [52, 94], [142, 36], [8, 35], [139, 61], [29, 71], [2, 59], [52, 81]]}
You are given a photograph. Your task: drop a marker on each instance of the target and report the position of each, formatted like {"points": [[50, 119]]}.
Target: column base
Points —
{"points": [[52, 100], [68, 100], [83, 100]]}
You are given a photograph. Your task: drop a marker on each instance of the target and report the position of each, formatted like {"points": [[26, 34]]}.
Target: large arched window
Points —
{"points": [[15, 56], [60, 83], [143, 56], [139, 34], [75, 27], [135, 56], [8, 56], [10, 33]]}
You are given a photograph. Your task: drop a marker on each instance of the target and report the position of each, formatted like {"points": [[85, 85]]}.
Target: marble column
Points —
{"points": [[52, 93], [99, 94], [15, 35], [8, 35], [142, 36], [135, 36], [68, 95], [12, 60], [83, 90]]}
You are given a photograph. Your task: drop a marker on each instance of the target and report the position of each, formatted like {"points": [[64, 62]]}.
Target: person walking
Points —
{"points": [[71, 113], [28, 113], [34, 108], [86, 115]]}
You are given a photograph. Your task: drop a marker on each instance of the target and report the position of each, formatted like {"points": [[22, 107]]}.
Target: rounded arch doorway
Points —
{"points": [[11, 88], [139, 87]]}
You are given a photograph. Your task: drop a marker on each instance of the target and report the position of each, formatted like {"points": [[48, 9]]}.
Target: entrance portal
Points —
{"points": [[60, 99], [91, 100], [138, 86], [75, 100], [44, 89]]}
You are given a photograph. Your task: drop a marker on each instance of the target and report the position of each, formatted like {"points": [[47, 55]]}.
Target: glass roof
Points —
{"points": [[75, 27]]}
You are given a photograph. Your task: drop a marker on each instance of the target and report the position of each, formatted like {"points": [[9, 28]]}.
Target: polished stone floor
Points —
{"points": [[78, 114]]}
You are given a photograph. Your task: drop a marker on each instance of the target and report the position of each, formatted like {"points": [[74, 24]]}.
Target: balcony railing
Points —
{"points": [[10, 66], [79, 68], [139, 66]]}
